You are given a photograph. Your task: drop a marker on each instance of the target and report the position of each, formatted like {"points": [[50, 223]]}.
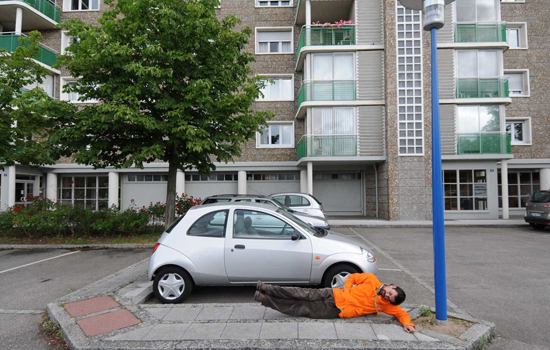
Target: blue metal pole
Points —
{"points": [[437, 194]]}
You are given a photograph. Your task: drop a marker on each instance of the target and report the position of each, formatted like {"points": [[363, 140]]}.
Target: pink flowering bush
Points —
{"points": [[337, 24]]}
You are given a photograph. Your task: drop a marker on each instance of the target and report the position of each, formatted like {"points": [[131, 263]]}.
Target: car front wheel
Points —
{"points": [[172, 285], [537, 226], [337, 275]]}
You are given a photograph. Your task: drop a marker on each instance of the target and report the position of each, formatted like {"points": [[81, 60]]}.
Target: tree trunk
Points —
{"points": [[170, 196]]}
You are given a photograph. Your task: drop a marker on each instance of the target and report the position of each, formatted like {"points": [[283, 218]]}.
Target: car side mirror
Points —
{"points": [[295, 236]]}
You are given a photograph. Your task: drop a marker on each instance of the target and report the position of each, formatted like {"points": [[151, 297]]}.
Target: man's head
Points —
{"points": [[393, 294]]}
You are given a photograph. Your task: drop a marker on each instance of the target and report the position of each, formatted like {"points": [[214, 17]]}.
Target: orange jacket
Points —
{"points": [[360, 299]]}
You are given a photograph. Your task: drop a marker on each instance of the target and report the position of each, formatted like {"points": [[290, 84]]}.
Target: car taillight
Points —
{"points": [[155, 247], [547, 205]]}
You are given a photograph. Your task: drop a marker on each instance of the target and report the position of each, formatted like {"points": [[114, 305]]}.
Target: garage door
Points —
{"points": [[268, 183], [200, 186], [340, 192], [142, 189]]}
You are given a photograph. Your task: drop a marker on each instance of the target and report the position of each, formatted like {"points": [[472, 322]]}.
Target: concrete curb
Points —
{"points": [[130, 288]]}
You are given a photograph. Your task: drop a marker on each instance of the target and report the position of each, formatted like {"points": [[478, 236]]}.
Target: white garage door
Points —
{"points": [[142, 189], [340, 192], [200, 186], [268, 183]]}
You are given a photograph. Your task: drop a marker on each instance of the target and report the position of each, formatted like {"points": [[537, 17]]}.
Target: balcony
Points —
{"points": [[11, 42], [480, 32], [324, 11], [334, 90], [327, 146], [45, 16], [484, 143], [482, 88], [317, 35]]}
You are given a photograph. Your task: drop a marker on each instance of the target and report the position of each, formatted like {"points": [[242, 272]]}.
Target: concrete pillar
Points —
{"points": [[51, 186], [504, 182], [310, 178], [18, 20], [545, 179], [11, 186], [180, 183], [241, 184], [303, 181], [113, 189]]}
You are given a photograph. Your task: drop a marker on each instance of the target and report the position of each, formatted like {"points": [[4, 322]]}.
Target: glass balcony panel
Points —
{"points": [[326, 36], [482, 88], [328, 91], [484, 143], [11, 42], [327, 146], [480, 32]]}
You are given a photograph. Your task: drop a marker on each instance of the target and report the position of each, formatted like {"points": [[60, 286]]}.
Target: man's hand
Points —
{"points": [[409, 328]]}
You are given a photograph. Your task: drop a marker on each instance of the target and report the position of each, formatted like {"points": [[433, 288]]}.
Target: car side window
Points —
{"points": [[263, 201], [243, 200], [298, 201], [210, 225], [251, 224], [216, 200]]}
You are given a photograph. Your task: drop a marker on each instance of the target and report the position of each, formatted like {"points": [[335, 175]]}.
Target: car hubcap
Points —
{"points": [[171, 286], [339, 280]]}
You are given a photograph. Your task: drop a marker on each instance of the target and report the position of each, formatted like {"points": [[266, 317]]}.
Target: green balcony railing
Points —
{"points": [[335, 90], [328, 146], [484, 143], [45, 7], [480, 32], [326, 36], [11, 42], [482, 88]]}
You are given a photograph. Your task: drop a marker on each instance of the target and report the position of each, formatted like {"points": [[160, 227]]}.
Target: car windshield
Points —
{"points": [[302, 224], [540, 197]]}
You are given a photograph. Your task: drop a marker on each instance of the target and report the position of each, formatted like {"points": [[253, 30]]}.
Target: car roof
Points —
{"points": [[237, 195], [234, 204]]}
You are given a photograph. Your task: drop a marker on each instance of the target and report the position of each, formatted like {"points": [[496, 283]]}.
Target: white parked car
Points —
{"points": [[226, 244], [301, 202]]}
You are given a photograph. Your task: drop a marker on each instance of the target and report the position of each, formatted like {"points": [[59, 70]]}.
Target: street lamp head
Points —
{"points": [[418, 4], [434, 11]]}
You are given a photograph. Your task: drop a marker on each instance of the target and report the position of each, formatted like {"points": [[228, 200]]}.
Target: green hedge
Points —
{"points": [[44, 218]]}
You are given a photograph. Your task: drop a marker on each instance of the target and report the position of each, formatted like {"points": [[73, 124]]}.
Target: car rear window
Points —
{"points": [[216, 200], [540, 197]]}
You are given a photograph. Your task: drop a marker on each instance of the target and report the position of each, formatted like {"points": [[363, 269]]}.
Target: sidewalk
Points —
{"points": [[110, 314]]}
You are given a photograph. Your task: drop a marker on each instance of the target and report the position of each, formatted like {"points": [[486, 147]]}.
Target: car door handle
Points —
{"points": [[240, 246]]}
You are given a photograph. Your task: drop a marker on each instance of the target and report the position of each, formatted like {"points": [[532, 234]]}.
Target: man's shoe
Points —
{"points": [[259, 286], [257, 296]]}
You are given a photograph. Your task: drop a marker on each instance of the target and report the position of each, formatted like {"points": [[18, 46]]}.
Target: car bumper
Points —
{"points": [[537, 220]]}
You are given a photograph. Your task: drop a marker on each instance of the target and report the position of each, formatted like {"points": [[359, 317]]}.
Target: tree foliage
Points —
{"points": [[28, 113], [173, 84]]}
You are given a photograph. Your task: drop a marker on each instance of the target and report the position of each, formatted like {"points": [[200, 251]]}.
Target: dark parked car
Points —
{"points": [[537, 212]]}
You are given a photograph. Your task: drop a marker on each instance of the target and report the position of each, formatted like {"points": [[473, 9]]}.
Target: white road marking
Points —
{"points": [[38, 262], [390, 270]]}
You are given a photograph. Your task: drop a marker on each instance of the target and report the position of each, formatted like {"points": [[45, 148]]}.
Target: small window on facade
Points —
{"points": [[274, 41], [519, 130], [518, 83], [276, 135], [84, 5], [516, 35], [280, 89], [273, 3]]}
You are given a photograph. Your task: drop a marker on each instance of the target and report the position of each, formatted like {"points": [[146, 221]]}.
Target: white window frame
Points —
{"points": [[278, 76], [526, 84], [67, 4], [274, 29], [65, 96], [527, 138], [65, 41], [521, 27], [499, 63], [269, 1], [41, 85], [292, 140], [497, 9]]}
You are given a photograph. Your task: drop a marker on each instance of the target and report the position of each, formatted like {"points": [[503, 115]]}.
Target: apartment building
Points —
{"points": [[352, 109]]}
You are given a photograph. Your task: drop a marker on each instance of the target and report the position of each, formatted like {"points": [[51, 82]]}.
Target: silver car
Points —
{"points": [[315, 221], [301, 202], [226, 244]]}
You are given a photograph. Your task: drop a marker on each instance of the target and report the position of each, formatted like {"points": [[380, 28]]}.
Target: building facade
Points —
{"points": [[352, 109]]}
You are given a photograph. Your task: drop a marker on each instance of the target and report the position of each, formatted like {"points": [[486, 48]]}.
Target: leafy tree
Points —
{"points": [[173, 84], [27, 112]]}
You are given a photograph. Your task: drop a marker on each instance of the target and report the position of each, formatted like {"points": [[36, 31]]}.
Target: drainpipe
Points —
{"points": [[376, 186], [504, 183]]}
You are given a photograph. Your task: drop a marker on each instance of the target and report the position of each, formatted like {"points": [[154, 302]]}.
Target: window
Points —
{"points": [[80, 5], [272, 176], [210, 225], [518, 82], [147, 178], [478, 119], [520, 130], [272, 3], [333, 77], [48, 85], [212, 177], [477, 11], [478, 63], [72, 96], [276, 135], [516, 34], [270, 41], [66, 40], [465, 189], [92, 192], [282, 89], [248, 224], [337, 176], [334, 132], [292, 201], [521, 185]]}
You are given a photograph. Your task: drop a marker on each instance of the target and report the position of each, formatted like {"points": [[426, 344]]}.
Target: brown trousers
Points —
{"points": [[302, 302]]}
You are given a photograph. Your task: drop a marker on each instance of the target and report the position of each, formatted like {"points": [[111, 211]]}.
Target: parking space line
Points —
{"points": [[38, 262], [416, 278], [390, 270]]}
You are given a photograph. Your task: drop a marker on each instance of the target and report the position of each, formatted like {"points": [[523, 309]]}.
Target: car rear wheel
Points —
{"points": [[337, 275], [172, 285], [537, 226]]}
